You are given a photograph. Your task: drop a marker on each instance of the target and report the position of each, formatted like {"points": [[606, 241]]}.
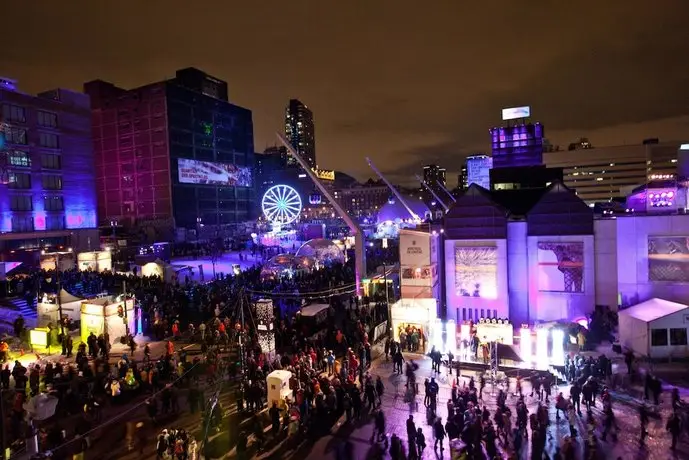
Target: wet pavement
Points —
{"points": [[397, 411]]}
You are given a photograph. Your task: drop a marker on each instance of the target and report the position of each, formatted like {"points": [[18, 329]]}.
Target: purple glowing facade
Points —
{"points": [[519, 145], [50, 189]]}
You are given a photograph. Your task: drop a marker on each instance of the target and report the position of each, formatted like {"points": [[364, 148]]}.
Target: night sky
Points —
{"points": [[399, 81]]}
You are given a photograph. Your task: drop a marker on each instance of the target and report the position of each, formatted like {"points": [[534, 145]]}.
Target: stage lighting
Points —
{"points": [[451, 340], [525, 344], [542, 347], [437, 334], [558, 355]]}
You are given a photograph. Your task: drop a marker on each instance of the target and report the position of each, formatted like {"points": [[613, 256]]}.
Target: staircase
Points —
{"points": [[20, 305]]}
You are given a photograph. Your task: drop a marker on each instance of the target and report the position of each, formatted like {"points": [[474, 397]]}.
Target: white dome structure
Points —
{"points": [[323, 251]]}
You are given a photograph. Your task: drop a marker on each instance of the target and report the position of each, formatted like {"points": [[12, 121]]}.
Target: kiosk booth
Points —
{"points": [[277, 383], [48, 310], [105, 315], [416, 313], [97, 261]]}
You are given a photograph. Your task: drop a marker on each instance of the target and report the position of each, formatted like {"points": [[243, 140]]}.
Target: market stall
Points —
{"points": [[277, 383], [419, 314], [97, 261], [106, 315], [48, 309]]}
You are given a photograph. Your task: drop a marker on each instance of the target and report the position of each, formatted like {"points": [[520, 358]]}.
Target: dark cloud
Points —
{"points": [[403, 82]]}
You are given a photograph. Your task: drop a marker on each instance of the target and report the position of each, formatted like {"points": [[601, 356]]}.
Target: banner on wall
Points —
{"points": [[211, 173], [476, 271], [415, 249], [668, 258], [561, 266]]}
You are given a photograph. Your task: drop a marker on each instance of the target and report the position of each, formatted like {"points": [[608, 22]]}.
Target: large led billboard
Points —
{"points": [[561, 266], [211, 173], [668, 258], [514, 113], [476, 271]]}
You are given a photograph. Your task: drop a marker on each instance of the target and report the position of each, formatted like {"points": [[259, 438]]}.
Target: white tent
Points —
{"points": [[47, 308], [655, 328]]}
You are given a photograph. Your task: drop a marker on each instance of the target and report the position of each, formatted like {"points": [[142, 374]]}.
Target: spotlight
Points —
{"points": [[525, 344], [558, 356], [541, 346]]}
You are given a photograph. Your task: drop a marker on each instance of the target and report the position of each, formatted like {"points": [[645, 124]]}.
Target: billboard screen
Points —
{"points": [[668, 258], [476, 271], [211, 173], [514, 113], [561, 266]]}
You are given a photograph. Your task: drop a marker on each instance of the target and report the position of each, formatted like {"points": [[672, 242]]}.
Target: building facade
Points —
{"points": [[300, 132], [47, 192], [172, 154], [363, 200], [478, 170], [606, 173]]}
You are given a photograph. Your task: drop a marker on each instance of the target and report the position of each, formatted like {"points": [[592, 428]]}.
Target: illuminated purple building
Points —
{"points": [[517, 145], [47, 178]]}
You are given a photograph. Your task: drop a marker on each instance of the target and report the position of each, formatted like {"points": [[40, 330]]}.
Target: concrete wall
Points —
{"points": [[605, 256]]}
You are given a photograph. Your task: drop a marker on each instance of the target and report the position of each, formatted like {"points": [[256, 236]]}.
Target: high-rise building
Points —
{"points": [[604, 173], [462, 178], [478, 170], [434, 174], [517, 145], [47, 191], [300, 131], [172, 154]]}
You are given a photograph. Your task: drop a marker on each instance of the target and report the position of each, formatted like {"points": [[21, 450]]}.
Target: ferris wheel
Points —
{"points": [[281, 204]]}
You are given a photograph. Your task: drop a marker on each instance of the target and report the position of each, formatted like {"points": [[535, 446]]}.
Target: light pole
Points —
{"points": [[59, 288], [387, 301]]}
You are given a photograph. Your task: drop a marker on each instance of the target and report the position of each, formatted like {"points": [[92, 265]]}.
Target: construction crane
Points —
{"points": [[394, 190], [359, 239], [452, 197], [435, 195]]}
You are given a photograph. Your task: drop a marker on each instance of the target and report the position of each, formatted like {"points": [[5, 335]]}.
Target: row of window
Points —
{"points": [[26, 223], [25, 203], [16, 114], [659, 337], [21, 159], [18, 136], [22, 181]]}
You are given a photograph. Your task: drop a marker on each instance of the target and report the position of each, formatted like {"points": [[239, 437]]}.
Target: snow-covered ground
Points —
{"points": [[222, 265]]}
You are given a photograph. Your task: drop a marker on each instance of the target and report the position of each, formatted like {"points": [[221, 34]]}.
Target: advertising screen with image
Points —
{"points": [[561, 266], [211, 173], [476, 271], [668, 258]]}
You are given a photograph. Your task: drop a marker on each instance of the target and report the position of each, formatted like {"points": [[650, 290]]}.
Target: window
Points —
{"points": [[658, 337], [47, 119], [49, 140], [20, 203], [51, 161], [54, 222], [52, 183], [22, 224], [678, 336], [53, 203], [13, 113], [15, 136], [19, 181], [19, 158]]}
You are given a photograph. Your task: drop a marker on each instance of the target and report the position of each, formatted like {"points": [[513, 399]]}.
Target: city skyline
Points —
{"points": [[378, 89]]}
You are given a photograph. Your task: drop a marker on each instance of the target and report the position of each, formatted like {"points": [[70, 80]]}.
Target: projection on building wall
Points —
{"points": [[668, 258], [561, 266], [476, 271]]}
